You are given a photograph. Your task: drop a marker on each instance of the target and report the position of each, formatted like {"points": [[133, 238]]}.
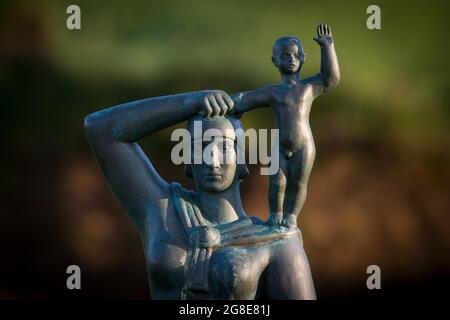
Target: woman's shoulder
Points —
{"points": [[252, 231]]}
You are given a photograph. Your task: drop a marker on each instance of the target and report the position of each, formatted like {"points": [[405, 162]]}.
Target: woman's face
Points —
{"points": [[217, 152]]}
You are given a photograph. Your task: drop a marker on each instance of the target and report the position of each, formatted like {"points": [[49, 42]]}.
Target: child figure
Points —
{"points": [[291, 101]]}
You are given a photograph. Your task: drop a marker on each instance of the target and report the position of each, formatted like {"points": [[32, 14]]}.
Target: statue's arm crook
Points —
{"points": [[113, 134]]}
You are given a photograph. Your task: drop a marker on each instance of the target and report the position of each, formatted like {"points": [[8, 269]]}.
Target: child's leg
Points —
{"points": [[299, 169], [277, 188]]}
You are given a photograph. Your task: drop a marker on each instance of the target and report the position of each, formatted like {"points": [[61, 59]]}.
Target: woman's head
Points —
{"points": [[215, 153]]}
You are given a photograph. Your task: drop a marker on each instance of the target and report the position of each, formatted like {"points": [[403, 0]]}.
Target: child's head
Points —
{"points": [[288, 55]]}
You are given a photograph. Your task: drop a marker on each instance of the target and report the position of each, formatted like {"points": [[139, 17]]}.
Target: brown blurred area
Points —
{"points": [[378, 194]]}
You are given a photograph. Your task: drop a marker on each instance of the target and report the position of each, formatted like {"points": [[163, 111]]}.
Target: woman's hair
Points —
{"points": [[241, 170]]}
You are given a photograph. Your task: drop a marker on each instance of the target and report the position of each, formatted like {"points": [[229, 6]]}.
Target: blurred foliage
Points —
{"points": [[379, 189], [394, 81]]}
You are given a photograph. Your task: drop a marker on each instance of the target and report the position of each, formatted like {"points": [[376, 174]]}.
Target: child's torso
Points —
{"points": [[292, 105]]}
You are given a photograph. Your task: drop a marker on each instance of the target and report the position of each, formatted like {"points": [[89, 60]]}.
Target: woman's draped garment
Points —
{"points": [[205, 238]]}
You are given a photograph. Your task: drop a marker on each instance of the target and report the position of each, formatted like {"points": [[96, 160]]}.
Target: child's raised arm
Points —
{"points": [[329, 75]]}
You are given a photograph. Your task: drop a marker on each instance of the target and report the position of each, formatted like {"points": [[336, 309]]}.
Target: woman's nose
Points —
{"points": [[216, 157]]}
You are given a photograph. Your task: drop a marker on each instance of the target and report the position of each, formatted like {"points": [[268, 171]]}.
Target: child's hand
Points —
{"points": [[324, 36], [289, 221], [216, 103]]}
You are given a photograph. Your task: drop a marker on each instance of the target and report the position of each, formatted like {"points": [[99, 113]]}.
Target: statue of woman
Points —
{"points": [[198, 244]]}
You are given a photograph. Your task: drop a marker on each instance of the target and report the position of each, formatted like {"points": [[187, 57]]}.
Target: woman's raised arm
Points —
{"points": [[113, 134]]}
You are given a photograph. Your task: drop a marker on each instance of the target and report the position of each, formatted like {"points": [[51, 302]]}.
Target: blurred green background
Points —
{"points": [[379, 191]]}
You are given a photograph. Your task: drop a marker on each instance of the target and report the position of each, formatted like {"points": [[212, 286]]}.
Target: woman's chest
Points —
{"points": [[235, 272], [166, 261], [231, 273]]}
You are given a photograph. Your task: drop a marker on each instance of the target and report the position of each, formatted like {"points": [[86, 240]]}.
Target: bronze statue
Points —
{"points": [[291, 101], [200, 244]]}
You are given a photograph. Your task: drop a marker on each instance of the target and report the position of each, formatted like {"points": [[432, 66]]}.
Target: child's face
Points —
{"points": [[288, 59]]}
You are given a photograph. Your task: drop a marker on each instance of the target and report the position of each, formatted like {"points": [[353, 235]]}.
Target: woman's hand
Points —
{"points": [[216, 103]]}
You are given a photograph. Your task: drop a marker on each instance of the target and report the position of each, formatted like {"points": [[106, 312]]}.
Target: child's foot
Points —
{"points": [[275, 219], [289, 221]]}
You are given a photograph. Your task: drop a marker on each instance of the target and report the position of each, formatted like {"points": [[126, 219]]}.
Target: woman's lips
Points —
{"points": [[214, 175]]}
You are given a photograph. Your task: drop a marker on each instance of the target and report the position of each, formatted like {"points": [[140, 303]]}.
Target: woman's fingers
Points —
{"points": [[225, 101], [217, 103], [215, 106], [229, 101], [206, 110], [222, 105]]}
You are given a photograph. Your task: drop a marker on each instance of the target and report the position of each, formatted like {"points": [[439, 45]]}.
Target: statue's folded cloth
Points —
{"points": [[204, 239]]}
